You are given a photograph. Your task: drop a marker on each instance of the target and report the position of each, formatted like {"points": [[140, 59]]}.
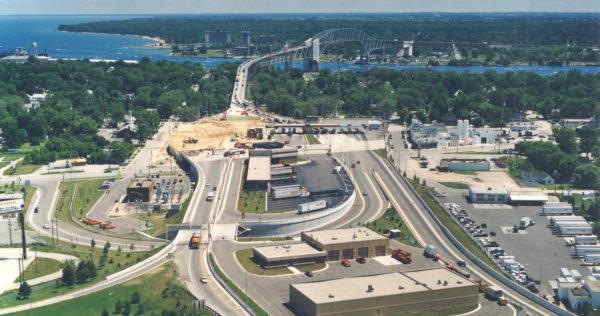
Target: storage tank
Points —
{"points": [[465, 129]]}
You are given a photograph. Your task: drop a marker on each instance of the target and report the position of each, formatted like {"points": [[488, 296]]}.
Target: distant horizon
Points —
{"points": [[307, 13], [187, 7]]}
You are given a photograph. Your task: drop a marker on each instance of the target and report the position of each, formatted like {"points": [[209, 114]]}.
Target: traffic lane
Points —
{"points": [[212, 172], [231, 214], [210, 291], [433, 234]]}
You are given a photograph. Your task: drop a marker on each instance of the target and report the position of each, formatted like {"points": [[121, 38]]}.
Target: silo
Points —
{"points": [[459, 129], [465, 127]]}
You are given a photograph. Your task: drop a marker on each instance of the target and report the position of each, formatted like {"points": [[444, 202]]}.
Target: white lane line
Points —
{"points": [[381, 208]]}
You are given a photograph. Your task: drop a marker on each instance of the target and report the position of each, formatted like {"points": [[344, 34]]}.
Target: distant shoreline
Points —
{"points": [[155, 39]]}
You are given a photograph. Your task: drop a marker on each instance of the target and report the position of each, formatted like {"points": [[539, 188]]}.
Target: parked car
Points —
{"points": [[36, 210], [483, 225], [361, 260], [46, 226], [346, 263], [203, 280], [492, 233], [309, 274]]}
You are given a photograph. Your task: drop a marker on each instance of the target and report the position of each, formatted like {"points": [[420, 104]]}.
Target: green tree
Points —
{"points": [[588, 139], [106, 248], [567, 139], [126, 309], [135, 298], [587, 176], [93, 243], [68, 273], [118, 307], [105, 312], [24, 291], [140, 309]]}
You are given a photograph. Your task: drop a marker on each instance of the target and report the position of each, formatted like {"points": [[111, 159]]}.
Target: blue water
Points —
{"points": [[21, 31]]}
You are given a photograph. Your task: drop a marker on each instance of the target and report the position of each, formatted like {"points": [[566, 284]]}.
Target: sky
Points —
{"points": [[42, 7]]}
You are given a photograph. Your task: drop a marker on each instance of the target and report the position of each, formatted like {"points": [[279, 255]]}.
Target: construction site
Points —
{"points": [[213, 133]]}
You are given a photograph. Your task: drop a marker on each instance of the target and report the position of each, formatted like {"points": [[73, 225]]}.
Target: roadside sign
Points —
{"points": [[12, 206]]}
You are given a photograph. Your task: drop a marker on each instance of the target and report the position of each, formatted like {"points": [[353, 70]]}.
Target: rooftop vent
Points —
{"points": [[459, 282], [445, 283], [370, 288], [331, 296], [333, 238], [439, 282], [401, 287]]}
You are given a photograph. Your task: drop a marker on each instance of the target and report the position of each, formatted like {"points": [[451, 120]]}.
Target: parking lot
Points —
{"points": [[540, 253]]}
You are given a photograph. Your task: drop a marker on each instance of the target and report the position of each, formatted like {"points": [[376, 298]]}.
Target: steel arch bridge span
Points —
{"points": [[311, 50]]}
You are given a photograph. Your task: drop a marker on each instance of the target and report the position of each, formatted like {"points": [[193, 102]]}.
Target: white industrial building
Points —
{"points": [[571, 287], [484, 194]]}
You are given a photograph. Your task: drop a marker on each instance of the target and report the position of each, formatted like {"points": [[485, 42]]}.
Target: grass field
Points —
{"points": [[117, 261], [22, 168], [40, 267], [381, 153], [83, 193], [457, 231], [392, 220], [456, 185], [250, 201], [160, 290], [257, 310], [312, 140]]}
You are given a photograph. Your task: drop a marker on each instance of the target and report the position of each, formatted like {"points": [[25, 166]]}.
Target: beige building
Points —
{"points": [[348, 243], [287, 254], [385, 294]]}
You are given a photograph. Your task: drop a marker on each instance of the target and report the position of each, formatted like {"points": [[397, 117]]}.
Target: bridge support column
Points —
{"points": [[311, 65]]}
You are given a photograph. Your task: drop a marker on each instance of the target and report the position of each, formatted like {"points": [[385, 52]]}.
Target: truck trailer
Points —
{"points": [[575, 230], [586, 240], [554, 219], [312, 206], [592, 259], [556, 208], [583, 250], [493, 292]]}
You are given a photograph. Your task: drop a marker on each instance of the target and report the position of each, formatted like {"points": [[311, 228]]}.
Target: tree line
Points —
{"points": [[84, 97], [530, 38], [489, 98]]}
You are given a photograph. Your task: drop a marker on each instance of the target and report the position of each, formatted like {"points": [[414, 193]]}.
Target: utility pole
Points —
{"points": [[9, 232], [23, 240]]}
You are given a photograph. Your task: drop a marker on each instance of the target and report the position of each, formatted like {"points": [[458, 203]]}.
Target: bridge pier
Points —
{"points": [[310, 65]]}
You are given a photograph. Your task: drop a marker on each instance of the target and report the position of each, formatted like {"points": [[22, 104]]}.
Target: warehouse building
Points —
{"points": [[348, 243], [528, 197], [289, 254], [386, 294], [140, 190], [462, 164], [484, 194]]}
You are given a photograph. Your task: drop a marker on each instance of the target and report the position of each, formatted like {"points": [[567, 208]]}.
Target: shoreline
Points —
{"points": [[155, 39]]}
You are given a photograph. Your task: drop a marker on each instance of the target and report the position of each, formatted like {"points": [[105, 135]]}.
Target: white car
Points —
{"points": [[204, 280], [46, 226], [207, 184]]}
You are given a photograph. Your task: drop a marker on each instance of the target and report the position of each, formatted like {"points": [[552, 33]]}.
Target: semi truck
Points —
{"points": [[194, 242], [312, 206], [402, 256], [493, 292], [288, 192], [586, 240], [526, 222], [557, 208]]}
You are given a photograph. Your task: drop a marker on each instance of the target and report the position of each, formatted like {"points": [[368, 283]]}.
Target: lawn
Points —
{"points": [[22, 168], [160, 290], [117, 261], [456, 185], [558, 186], [392, 220], [312, 140], [40, 267], [83, 194], [381, 153], [256, 309], [427, 194], [252, 202]]}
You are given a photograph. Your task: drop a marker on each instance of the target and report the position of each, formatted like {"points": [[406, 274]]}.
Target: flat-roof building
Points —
{"points": [[140, 190], [528, 197], [464, 164], [485, 194], [287, 254], [385, 294], [348, 243]]}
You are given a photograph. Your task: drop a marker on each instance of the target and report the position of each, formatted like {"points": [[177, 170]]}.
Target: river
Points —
{"points": [[21, 31]]}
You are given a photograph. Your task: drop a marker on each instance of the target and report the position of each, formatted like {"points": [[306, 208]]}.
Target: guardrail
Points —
{"points": [[495, 274], [225, 286]]}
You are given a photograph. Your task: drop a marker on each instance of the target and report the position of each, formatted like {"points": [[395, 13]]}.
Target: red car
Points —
{"points": [[346, 263]]}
